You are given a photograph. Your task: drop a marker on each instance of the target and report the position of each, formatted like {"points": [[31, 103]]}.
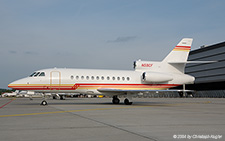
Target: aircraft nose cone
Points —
{"points": [[19, 84], [12, 85]]}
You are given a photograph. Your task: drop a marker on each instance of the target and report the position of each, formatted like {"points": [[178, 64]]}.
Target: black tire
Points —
{"points": [[44, 103], [115, 101], [127, 102]]}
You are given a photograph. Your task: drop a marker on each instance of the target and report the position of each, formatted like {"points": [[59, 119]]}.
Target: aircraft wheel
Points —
{"points": [[61, 97], [181, 94], [127, 102], [116, 100], [44, 103]]}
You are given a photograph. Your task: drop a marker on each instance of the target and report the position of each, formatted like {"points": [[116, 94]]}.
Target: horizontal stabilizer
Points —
{"points": [[192, 62]]}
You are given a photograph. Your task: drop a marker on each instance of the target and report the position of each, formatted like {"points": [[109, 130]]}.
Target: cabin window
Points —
{"points": [[87, 77], [82, 77], [92, 77], [102, 77], [123, 78], [128, 78], [42, 74], [72, 77], [77, 77], [108, 78], [118, 78], [97, 77], [113, 78]]}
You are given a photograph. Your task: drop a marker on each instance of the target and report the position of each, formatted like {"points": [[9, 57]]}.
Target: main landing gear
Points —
{"points": [[127, 101], [115, 100]]}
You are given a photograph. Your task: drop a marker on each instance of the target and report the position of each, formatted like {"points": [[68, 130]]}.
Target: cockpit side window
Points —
{"points": [[42, 74], [32, 74], [37, 74]]}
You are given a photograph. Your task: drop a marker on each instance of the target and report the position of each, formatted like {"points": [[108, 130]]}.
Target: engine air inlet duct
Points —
{"points": [[156, 77]]}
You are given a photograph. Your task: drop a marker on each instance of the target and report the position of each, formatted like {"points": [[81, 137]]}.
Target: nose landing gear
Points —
{"points": [[44, 103]]}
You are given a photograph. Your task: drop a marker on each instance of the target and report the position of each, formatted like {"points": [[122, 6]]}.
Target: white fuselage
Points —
{"points": [[89, 81]]}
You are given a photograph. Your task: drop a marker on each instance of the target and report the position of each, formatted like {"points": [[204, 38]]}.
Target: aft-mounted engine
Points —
{"points": [[156, 77]]}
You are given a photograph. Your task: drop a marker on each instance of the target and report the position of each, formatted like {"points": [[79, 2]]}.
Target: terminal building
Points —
{"points": [[209, 77]]}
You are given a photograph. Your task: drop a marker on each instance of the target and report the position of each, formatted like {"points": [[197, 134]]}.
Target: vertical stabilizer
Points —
{"points": [[177, 58], [180, 52]]}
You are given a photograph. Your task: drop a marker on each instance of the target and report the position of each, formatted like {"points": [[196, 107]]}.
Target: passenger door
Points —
{"points": [[55, 80]]}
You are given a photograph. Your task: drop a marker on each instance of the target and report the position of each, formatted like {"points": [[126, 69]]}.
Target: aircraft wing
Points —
{"points": [[124, 91]]}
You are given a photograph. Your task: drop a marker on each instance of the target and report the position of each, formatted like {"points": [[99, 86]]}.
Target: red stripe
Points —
{"points": [[104, 84], [128, 84], [6, 103]]}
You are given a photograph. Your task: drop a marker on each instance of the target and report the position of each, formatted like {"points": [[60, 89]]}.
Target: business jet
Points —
{"points": [[12, 94], [147, 76]]}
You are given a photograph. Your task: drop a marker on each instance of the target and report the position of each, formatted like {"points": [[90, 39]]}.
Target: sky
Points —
{"points": [[100, 34]]}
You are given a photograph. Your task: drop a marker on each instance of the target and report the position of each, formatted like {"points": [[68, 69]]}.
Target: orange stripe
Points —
{"points": [[182, 48], [176, 49]]}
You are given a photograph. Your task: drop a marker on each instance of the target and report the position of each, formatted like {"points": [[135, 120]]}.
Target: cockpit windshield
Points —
{"points": [[42, 74], [37, 74], [33, 74]]}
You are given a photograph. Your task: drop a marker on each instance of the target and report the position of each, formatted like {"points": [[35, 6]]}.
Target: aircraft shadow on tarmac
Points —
{"points": [[84, 102]]}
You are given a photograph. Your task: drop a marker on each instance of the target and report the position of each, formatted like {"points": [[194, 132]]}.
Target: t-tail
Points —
{"points": [[177, 58], [180, 53], [174, 62]]}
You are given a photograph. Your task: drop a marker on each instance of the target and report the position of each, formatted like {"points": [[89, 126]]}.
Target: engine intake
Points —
{"points": [[156, 77]]}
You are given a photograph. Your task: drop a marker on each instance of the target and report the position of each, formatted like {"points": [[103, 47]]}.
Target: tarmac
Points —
{"points": [[97, 119]]}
